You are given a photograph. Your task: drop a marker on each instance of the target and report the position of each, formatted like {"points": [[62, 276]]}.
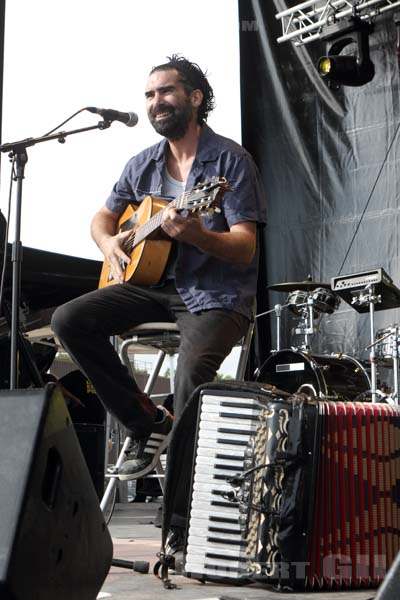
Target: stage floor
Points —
{"points": [[135, 538]]}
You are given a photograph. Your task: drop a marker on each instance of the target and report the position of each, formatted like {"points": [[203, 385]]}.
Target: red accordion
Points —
{"points": [[293, 491]]}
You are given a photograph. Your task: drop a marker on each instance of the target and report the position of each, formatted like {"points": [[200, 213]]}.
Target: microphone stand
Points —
{"points": [[278, 311], [17, 150]]}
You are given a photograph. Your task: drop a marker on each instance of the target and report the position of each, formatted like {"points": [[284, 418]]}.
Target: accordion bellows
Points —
{"points": [[356, 517], [296, 492]]}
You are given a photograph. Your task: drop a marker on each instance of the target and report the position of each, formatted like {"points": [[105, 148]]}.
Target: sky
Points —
{"points": [[64, 55]]}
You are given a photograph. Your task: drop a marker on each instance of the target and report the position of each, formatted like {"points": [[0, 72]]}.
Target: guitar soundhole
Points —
{"points": [[129, 223]]}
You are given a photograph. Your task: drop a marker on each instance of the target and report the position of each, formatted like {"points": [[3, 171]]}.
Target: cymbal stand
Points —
{"points": [[395, 357], [362, 298], [306, 327]]}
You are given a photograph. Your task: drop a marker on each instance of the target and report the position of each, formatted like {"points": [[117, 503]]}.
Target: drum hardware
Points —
{"points": [[296, 301], [306, 324], [389, 351], [326, 301], [367, 394], [346, 287], [307, 300], [323, 301], [387, 398], [368, 298], [370, 291], [306, 388], [364, 298], [386, 350], [278, 312], [320, 301]]}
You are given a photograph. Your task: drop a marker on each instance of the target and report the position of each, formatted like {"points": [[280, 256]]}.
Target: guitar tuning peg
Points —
{"points": [[217, 209]]}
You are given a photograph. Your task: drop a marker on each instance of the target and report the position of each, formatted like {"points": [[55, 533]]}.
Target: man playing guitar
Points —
{"points": [[208, 280]]}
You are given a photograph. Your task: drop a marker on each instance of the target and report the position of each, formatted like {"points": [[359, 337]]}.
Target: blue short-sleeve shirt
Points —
{"points": [[202, 280]]}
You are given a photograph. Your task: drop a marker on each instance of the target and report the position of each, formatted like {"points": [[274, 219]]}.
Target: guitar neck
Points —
{"points": [[150, 226]]}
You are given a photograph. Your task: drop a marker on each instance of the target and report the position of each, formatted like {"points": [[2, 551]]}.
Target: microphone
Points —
{"points": [[129, 119]]}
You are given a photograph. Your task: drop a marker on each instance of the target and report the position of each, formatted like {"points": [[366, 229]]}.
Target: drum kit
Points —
{"points": [[336, 376]]}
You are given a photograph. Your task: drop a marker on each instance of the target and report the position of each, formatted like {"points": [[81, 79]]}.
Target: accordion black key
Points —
{"points": [[293, 491]]}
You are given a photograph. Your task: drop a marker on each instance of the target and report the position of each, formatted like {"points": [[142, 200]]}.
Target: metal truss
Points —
{"points": [[305, 22]]}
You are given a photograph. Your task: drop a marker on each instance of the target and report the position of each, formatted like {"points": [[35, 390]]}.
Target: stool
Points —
{"points": [[163, 338]]}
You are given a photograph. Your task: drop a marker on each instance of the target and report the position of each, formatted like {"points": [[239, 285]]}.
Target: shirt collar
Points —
{"points": [[206, 149]]}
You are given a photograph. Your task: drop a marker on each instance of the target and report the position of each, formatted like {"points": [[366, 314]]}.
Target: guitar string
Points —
{"points": [[139, 234], [152, 223]]}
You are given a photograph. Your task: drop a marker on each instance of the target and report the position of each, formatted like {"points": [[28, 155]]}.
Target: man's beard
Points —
{"points": [[176, 124]]}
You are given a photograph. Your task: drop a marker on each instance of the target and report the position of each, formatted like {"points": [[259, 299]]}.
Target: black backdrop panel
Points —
{"points": [[325, 163]]}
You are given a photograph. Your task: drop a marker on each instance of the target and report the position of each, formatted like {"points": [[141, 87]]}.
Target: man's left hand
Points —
{"points": [[185, 229]]}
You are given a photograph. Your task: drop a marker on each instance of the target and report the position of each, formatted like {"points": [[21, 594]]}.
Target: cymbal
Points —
{"points": [[292, 286]]}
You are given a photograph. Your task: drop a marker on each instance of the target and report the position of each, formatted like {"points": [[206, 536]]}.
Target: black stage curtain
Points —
{"points": [[324, 161]]}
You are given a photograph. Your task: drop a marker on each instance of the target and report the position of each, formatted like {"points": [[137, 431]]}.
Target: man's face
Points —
{"points": [[169, 109]]}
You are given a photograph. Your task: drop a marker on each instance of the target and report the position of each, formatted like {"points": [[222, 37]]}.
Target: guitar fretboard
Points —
{"points": [[152, 224]]}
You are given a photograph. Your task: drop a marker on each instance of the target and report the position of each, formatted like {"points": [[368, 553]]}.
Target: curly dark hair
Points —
{"points": [[192, 78]]}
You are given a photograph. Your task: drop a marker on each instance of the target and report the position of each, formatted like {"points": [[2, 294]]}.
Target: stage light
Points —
{"points": [[345, 69], [324, 65]]}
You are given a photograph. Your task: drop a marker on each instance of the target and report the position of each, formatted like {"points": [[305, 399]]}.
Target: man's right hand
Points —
{"points": [[113, 249], [113, 245]]}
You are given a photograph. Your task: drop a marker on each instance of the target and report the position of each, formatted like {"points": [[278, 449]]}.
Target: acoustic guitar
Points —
{"points": [[146, 246]]}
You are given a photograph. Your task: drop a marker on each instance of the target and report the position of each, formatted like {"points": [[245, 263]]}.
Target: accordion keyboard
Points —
{"points": [[216, 544]]}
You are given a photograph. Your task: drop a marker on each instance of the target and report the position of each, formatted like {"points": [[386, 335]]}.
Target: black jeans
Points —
{"points": [[84, 327]]}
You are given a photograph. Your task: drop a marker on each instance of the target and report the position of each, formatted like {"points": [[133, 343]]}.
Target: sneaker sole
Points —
{"points": [[150, 466]]}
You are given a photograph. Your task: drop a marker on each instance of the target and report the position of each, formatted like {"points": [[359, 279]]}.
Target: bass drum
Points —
{"points": [[334, 377]]}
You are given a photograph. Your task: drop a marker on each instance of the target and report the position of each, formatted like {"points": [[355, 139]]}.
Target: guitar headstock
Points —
{"points": [[205, 197]]}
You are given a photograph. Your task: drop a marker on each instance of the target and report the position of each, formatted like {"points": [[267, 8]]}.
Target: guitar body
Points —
{"points": [[149, 257]]}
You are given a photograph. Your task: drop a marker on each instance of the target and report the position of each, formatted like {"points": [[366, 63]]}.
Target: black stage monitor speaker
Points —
{"points": [[54, 543], [89, 419]]}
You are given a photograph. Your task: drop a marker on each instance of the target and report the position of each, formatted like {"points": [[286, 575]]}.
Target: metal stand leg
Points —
{"points": [[154, 372], [244, 355], [372, 355], [395, 355], [148, 387], [368, 297], [160, 473], [278, 313], [114, 479], [171, 373]]}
